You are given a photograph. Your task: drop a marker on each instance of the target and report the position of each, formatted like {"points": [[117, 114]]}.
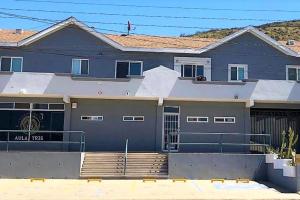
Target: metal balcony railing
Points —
{"points": [[218, 142], [23, 140]]}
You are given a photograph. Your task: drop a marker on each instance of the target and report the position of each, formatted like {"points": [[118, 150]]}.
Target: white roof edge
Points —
{"points": [[101, 36], [257, 33], [116, 45]]}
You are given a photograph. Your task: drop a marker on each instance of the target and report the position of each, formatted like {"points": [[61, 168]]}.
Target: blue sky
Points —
{"points": [[10, 23]]}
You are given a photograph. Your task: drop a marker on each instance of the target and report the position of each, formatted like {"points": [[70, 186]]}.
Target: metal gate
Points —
{"points": [[171, 124], [274, 121]]}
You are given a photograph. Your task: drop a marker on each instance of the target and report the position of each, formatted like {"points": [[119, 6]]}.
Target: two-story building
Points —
{"points": [[69, 77]]}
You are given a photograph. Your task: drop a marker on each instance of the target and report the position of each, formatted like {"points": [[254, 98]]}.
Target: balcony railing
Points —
{"points": [[23, 140], [218, 142]]}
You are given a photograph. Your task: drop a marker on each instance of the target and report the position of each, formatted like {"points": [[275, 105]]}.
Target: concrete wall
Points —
{"points": [[207, 166], [40, 165], [54, 53]]}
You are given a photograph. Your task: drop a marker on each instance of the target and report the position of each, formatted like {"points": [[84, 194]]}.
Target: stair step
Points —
{"points": [[112, 165]]}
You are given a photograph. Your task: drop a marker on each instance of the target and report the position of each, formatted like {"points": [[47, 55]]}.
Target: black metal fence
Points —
{"points": [[274, 122]]}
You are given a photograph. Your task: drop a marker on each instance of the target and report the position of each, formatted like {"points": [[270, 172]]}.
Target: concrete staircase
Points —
{"points": [[111, 165]]}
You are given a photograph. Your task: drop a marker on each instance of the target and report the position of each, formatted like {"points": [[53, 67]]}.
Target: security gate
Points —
{"points": [[171, 124], [274, 121]]}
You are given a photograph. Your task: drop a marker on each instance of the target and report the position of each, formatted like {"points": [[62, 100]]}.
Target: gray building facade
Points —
{"points": [[146, 120]]}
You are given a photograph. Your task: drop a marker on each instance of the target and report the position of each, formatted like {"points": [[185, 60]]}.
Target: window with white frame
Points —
{"points": [[197, 119], [223, 120], [128, 68], [91, 118], [80, 66], [237, 72], [193, 67], [192, 70], [11, 64], [293, 73], [133, 118]]}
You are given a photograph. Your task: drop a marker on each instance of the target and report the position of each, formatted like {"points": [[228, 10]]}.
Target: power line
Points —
{"points": [[162, 7], [143, 15], [137, 39]]}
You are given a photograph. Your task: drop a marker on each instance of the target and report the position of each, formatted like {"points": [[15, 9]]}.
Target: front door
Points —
{"points": [[171, 124]]}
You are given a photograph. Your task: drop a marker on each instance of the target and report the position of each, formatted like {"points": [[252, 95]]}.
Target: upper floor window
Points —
{"points": [[193, 67], [128, 68], [237, 72], [293, 72], [11, 64], [192, 70], [80, 66]]}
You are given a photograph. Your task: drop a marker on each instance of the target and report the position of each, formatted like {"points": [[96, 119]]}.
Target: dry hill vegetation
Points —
{"points": [[277, 30]]}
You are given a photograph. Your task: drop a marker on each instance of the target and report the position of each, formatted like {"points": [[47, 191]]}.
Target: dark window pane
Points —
{"points": [[139, 118], [200, 70], [22, 105], [43, 106], [170, 109], [192, 119], [188, 70], [5, 64], [57, 106], [182, 67], [234, 73], [6, 105], [135, 69], [128, 118], [122, 69], [292, 74], [84, 67]]}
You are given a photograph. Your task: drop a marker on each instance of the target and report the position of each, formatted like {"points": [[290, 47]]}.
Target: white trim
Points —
{"points": [[245, 66], [224, 121], [129, 61], [205, 62], [297, 67], [11, 60], [98, 118], [80, 59], [133, 118], [197, 119], [256, 33], [116, 45]]}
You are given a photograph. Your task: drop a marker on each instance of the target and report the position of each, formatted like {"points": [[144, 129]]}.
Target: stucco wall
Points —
{"points": [[208, 166], [111, 133], [211, 110], [40, 165]]}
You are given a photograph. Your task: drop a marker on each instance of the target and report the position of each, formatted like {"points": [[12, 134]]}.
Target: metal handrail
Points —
{"points": [[220, 143], [125, 157], [8, 141]]}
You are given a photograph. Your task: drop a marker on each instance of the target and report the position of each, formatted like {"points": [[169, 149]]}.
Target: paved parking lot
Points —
{"points": [[23, 189]]}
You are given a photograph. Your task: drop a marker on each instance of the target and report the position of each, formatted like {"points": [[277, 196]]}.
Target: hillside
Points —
{"points": [[277, 30]]}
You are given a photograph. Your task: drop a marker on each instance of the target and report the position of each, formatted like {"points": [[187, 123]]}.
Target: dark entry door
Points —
{"points": [[274, 121]]}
